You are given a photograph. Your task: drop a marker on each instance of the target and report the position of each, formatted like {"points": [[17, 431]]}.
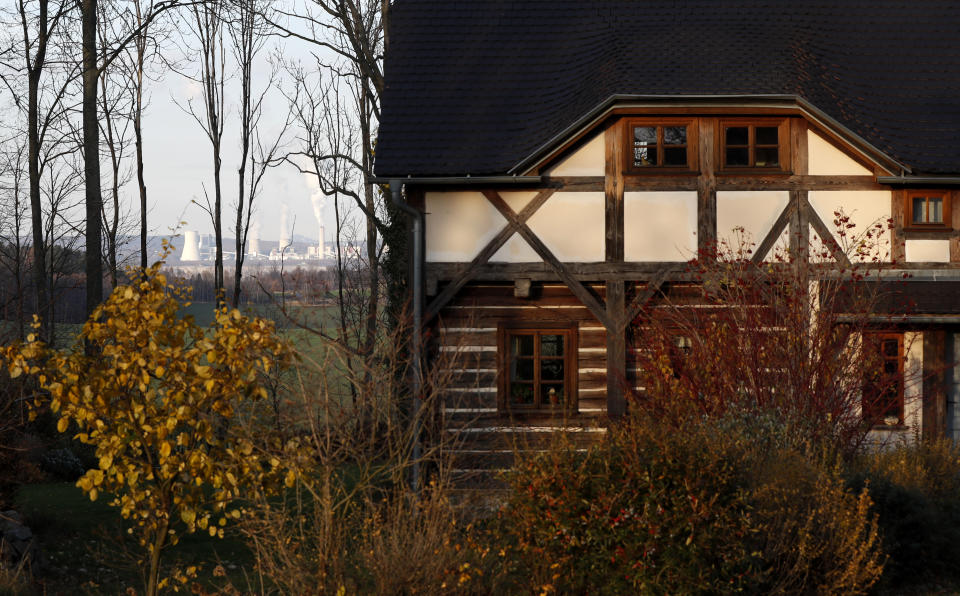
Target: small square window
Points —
{"points": [[656, 144], [538, 368], [758, 144], [928, 209]]}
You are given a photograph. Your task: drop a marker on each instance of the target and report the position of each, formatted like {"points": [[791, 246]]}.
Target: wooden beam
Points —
{"points": [[776, 231], [934, 423], [600, 271], [488, 251], [616, 351], [799, 182], [826, 236], [707, 188], [799, 151], [898, 245], [955, 216], [519, 223], [641, 298], [613, 194]]}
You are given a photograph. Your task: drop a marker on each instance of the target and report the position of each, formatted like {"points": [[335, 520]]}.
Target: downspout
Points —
{"points": [[416, 347]]}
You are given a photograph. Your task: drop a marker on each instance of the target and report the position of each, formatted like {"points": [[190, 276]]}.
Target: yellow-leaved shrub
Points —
{"points": [[155, 393]]}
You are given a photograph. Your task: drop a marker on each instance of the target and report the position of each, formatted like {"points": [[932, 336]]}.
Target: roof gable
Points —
{"points": [[478, 87]]}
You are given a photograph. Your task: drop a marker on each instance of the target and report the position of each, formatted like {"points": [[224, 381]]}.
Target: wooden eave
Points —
{"points": [[698, 105]]}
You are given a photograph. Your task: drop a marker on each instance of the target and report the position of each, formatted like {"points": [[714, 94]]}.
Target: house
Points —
{"points": [[569, 156]]}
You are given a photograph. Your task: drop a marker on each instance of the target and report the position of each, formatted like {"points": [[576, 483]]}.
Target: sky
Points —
{"points": [[179, 165]]}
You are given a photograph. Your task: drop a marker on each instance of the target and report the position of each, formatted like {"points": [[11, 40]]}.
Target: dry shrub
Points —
{"points": [[414, 546], [352, 521], [916, 492], [816, 536], [713, 507], [780, 336]]}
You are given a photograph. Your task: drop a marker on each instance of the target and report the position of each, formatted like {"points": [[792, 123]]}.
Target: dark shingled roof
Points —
{"points": [[476, 86]]}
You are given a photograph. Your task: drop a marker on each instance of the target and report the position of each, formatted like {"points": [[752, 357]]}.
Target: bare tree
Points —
{"points": [[207, 23], [352, 32], [249, 31], [14, 243], [117, 112]]}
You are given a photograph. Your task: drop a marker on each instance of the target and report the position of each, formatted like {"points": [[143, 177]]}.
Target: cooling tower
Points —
{"points": [[320, 246], [191, 247]]}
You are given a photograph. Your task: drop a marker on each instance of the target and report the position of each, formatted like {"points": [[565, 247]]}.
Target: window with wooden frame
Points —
{"points": [[883, 387], [754, 145], [928, 210], [655, 145], [538, 368]]}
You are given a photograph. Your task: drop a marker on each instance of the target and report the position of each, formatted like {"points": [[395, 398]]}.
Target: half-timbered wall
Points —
{"points": [[594, 243]]}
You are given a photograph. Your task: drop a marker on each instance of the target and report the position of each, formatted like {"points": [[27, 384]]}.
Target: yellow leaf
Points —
{"points": [[63, 424], [105, 462], [165, 449], [188, 516]]}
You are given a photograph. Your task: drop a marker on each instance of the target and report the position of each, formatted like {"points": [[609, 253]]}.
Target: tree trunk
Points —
{"points": [[138, 139], [91, 157]]}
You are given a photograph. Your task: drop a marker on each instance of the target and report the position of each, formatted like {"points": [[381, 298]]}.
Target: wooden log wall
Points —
{"points": [[467, 342]]}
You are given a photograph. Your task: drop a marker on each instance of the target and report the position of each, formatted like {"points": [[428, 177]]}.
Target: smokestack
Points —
{"points": [[317, 200], [284, 227], [191, 246]]}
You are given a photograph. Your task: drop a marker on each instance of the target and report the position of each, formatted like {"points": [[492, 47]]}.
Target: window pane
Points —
{"points": [[675, 135], [551, 370], [767, 135], [934, 210], [552, 394], [644, 156], [521, 393], [522, 369], [551, 345], [767, 156], [738, 157], [891, 348], [918, 208], [522, 345], [737, 135], [644, 135], [675, 156]]}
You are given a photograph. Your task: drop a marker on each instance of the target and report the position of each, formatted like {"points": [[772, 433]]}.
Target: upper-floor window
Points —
{"points": [[657, 143], [927, 208], [754, 144]]}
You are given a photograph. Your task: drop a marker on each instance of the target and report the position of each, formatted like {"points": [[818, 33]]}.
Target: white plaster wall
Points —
{"points": [[913, 380], [753, 211], [928, 251], [588, 160], [826, 160], [515, 250], [571, 224], [953, 386], [660, 226], [865, 208], [459, 225]]}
